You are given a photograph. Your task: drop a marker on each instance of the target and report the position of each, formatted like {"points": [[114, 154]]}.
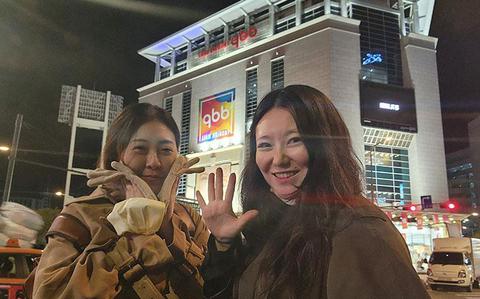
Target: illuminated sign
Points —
{"points": [[371, 58], [234, 41], [388, 106], [216, 116]]}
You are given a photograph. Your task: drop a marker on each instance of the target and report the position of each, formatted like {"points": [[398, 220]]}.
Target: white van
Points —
{"points": [[455, 262]]}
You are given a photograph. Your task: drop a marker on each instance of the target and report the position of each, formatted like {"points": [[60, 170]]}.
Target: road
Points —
{"points": [[453, 293]]}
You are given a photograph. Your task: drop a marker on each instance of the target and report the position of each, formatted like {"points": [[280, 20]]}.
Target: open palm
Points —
{"points": [[218, 213]]}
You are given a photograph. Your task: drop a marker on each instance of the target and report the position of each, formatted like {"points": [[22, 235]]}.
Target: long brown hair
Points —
{"points": [[296, 241], [127, 123]]}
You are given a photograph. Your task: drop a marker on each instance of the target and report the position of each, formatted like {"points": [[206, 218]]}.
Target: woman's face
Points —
{"points": [[281, 154], [150, 153]]}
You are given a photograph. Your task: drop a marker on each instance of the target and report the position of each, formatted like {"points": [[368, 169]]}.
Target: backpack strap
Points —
{"points": [[72, 229], [131, 272]]}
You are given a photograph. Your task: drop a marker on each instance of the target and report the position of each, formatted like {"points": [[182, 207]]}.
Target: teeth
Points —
{"points": [[284, 175]]}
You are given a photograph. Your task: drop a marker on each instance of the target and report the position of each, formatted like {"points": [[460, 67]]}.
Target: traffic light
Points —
{"points": [[411, 208], [449, 205]]}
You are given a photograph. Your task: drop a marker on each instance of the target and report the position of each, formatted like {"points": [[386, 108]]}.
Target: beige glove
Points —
{"points": [[137, 215], [110, 181]]}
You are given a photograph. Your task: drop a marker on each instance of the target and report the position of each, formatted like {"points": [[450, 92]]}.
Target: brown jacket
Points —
{"points": [[65, 271], [369, 260]]}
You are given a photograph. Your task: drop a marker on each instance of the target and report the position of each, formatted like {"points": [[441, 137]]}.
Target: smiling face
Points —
{"points": [[151, 153], [281, 154]]}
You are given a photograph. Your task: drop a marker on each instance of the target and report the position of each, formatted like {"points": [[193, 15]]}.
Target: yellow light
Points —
{"points": [[58, 193], [4, 148], [474, 214]]}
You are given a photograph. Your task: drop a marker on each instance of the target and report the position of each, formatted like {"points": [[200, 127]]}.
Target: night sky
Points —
{"points": [[94, 43]]}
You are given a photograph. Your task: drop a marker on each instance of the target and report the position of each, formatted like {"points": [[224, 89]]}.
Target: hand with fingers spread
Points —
{"points": [[218, 213]]}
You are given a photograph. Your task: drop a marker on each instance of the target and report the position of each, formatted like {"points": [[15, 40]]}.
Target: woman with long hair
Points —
{"points": [[308, 230], [129, 238]]}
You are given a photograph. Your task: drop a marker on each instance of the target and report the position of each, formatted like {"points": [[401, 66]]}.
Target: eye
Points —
{"points": [[264, 145], [166, 150], [295, 140], [140, 149]]}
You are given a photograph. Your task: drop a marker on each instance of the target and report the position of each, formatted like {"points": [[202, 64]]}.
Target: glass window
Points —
{"points": [[389, 183], [277, 74]]}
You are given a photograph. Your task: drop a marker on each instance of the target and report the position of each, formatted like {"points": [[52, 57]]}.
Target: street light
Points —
{"points": [[374, 149], [4, 148], [58, 193]]}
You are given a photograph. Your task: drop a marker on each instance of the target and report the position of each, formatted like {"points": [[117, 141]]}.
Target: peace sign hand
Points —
{"points": [[218, 213]]}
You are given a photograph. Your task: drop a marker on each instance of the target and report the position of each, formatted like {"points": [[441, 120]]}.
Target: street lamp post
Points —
{"points": [[11, 159]]}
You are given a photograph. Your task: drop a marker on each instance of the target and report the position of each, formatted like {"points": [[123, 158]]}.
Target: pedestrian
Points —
{"points": [[308, 232], [124, 240]]}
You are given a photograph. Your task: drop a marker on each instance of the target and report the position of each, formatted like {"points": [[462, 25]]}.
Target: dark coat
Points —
{"points": [[369, 260]]}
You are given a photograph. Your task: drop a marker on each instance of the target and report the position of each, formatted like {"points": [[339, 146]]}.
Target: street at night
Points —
{"points": [[239, 149]]}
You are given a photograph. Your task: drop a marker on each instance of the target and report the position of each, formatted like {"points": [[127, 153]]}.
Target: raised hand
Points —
{"points": [[168, 193], [218, 213], [120, 183]]}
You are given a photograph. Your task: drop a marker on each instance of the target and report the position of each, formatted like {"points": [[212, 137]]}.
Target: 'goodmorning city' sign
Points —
{"points": [[234, 41]]}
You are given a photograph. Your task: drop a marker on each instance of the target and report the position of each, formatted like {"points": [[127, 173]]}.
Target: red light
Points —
{"points": [[451, 206], [413, 208]]}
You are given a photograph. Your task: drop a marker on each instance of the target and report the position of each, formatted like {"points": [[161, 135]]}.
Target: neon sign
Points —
{"points": [[371, 58], [388, 106], [234, 41], [216, 116]]}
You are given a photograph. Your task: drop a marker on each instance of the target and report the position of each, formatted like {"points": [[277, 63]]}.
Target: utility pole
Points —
{"points": [[11, 159]]}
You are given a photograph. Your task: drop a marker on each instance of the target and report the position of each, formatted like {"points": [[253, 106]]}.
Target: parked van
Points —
{"points": [[454, 262]]}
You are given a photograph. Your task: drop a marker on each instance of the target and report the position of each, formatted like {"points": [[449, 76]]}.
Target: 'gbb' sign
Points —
{"points": [[216, 116]]}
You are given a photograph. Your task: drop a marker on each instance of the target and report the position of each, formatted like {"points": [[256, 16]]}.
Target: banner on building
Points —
{"points": [[445, 218], [404, 220], [216, 116], [435, 219], [419, 222]]}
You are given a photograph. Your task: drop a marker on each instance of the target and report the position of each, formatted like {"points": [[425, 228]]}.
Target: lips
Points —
{"points": [[285, 174], [150, 177]]}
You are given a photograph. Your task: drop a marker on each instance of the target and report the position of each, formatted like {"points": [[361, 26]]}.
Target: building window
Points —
{"points": [[251, 92], [284, 25], [185, 136], [164, 73], [180, 67], [387, 174], [277, 74], [379, 45], [313, 14], [167, 105]]}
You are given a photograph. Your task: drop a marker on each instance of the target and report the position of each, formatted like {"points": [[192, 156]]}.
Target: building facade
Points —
{"points": [[374, 59], [461, 178]]}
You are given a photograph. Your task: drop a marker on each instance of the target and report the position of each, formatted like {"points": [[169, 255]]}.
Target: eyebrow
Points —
{"points": [[288, 133], [160, 142]]}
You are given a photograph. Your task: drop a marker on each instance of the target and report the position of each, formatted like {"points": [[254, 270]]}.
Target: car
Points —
{"points": [[16, 263]]}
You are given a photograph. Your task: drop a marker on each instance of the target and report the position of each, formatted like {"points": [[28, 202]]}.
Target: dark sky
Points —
{"points": [[94, 43]]}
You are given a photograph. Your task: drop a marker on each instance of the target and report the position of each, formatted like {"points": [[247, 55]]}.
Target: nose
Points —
{"points": [[152, 160], [280, 157]]}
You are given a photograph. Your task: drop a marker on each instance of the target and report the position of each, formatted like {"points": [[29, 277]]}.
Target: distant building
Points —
{"points": [[461, 178], [89, 113], [45, 201], [374, 59], [474, 141]]}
